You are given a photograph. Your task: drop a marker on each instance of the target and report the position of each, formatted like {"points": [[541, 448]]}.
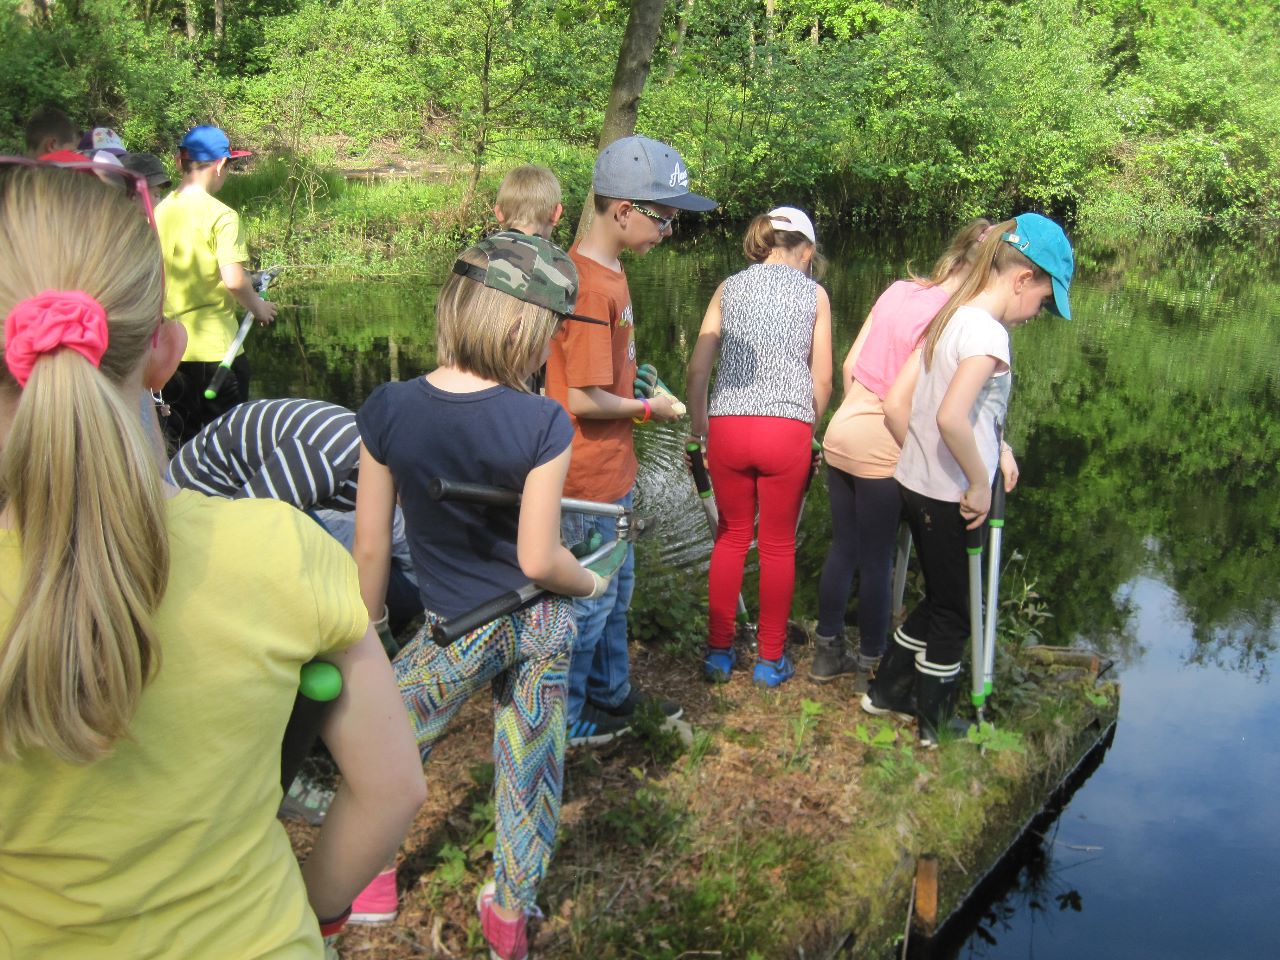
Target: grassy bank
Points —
{"points": [[772, 824]]}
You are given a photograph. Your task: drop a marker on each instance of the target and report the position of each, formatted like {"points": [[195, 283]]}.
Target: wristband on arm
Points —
{"points": [[648, 411]]}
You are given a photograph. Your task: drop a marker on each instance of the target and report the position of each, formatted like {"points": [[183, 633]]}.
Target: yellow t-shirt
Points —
{"points": [[169, 847], [198, 234]]}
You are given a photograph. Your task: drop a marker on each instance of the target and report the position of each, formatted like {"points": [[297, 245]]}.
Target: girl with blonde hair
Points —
{"points": [[861, 456], [151, 639], [946, 410]]}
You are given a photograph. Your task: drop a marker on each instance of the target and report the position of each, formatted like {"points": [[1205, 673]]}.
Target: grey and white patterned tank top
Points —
{"points": [[767, 314]]}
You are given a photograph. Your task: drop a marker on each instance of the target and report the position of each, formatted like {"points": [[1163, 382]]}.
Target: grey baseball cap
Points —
{"points": [[149, 166], [637, 168], [528, 268]]}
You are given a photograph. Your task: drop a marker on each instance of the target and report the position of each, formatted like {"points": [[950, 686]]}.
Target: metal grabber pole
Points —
{"points": [[698, 467]]}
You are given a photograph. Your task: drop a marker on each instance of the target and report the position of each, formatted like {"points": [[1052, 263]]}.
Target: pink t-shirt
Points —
{"points": [[901, 315]]}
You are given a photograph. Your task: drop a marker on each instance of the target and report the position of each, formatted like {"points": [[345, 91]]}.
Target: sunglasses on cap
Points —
{"points": [[110, 174]]}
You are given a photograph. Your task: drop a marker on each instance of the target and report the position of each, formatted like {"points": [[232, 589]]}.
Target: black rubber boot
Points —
{"points": [[831, 659], [936, 710], [892, 688]]}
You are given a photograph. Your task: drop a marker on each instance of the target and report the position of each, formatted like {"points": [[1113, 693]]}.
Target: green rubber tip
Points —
{"points": [[978, 699], [987, 688], [703, 494], [320, 681], [973, 551], [210, 394], [997, 523]]}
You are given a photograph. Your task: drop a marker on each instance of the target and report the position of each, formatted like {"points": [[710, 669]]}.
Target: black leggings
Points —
{"points": [[941, 620], [185, 395], [864, 529]]}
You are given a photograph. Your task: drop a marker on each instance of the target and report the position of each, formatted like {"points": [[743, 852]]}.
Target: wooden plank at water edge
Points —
{"points": [[926, 909]]}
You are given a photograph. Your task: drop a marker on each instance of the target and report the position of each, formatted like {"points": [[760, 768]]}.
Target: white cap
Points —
{"points": [[792, 218]]}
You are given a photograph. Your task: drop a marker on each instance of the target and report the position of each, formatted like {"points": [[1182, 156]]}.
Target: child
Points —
{"points": [[758, 432], [306, 453], [206, 282], [640, 186], [946, 409], [151, 639], [529, 201], [50, 131], [861, 456], [472, 419]]}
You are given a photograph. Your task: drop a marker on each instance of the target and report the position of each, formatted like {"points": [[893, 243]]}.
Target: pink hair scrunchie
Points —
{"points": [[49, 321]]}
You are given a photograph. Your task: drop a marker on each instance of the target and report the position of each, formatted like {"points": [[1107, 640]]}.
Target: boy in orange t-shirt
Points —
{"points": [[640, 186]]}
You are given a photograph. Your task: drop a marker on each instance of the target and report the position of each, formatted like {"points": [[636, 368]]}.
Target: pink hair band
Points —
{"points": [[49, 321]]}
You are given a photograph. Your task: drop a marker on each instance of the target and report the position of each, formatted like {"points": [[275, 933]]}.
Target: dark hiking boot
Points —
{"points": [[867, 667], [892, 689], [936, 709], [831, 659]]}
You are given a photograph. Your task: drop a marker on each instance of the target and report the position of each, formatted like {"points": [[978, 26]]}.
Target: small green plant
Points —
{"points": [[900, 765], [452, 868], [885, 735], [655, 734], [700, 747], [988, 737], [1023, 611], [801, 727]]}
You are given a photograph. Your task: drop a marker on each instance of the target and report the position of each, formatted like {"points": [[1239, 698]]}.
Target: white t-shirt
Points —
{"points": [[927, 465]]}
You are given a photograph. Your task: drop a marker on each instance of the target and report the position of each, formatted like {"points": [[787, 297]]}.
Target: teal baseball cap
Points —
{"points": [[1045, 244]]}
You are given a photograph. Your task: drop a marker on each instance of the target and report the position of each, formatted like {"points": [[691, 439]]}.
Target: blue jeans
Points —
{"points": [[600, 670]]}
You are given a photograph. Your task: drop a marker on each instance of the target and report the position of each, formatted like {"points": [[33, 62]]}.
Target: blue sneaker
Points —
{"points": [[773, 673], [718, 663]]}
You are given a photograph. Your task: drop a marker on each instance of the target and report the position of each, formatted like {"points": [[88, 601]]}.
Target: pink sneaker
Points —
{"points": [[508, 939], [377, 902]]}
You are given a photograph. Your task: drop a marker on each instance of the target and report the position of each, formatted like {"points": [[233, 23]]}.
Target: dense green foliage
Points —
{"points": [[1148, 113]]}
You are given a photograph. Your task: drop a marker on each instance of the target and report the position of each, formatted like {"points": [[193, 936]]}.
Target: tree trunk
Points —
{"points": [[634, 59], [682, 27], [189, 17], [219, 19]]}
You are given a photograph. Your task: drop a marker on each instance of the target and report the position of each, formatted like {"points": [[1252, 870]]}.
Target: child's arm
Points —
{"points": [[820, 357], [855, 351], [375, 509], [543, 559], [382, 787], [698, 375], [957, 433], [238, 282], [897, 402], [597, 403]]}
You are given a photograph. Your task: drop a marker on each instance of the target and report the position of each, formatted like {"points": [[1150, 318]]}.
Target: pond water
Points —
{"points": [[1145, 523]]}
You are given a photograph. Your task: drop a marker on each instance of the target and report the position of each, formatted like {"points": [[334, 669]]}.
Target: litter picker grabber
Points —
{"points": [[319, 683], [220, 375], [983, 628], [901, 559], [613, 552]]}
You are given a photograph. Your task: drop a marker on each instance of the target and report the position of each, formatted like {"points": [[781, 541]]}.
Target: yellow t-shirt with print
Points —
{"points": [[169, 847], [199, 234]]}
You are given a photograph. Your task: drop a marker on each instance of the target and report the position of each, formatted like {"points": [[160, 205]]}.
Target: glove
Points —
{"points": [[646, 381], [602, 570], [383, 627], [590, 545]]}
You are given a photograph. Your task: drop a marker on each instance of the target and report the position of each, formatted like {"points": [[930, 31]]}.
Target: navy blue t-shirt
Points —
{"points": [[464, 553]]}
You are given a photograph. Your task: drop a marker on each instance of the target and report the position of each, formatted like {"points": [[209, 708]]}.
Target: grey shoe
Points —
{"points": [[866, 670], [831, 659]]}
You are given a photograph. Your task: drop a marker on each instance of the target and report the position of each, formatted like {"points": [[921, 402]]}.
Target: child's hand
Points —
{"points": [[975, 505], [265, 312], [1009, 467], [661, 408]]}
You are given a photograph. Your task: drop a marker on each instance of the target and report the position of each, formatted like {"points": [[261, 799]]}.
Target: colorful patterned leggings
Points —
{"points": [[525, 658]]}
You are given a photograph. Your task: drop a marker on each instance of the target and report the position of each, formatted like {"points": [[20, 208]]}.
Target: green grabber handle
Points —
{"points": [[224, 367], [319, 684], [702, 483], [973, 547], [996, 521]]}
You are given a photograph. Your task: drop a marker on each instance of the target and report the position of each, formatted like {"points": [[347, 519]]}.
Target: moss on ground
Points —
{"points": [[774, 823]]}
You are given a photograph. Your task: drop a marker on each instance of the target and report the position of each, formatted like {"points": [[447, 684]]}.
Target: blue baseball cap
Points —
{"points": [[208, 143], [637, 168], [1043, 242]]}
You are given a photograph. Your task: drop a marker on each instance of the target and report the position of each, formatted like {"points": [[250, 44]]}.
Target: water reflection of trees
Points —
{"points": [[1146, 429]]}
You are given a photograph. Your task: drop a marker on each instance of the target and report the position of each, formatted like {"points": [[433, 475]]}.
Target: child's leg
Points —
{"points": [[842, 556], [592, 616], [528, 751], [733, 478], [939, 534], [609, 681], [435, 681], [878, 507], [783, 458]]}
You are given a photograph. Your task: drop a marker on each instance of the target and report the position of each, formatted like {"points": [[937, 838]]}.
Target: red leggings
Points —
{"points": [[756, 463]]}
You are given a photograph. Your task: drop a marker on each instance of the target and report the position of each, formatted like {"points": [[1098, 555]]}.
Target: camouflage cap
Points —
{"points": [[528, 268]]}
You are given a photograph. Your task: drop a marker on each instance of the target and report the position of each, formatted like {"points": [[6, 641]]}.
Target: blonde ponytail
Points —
{"points": [[78, 477]]}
